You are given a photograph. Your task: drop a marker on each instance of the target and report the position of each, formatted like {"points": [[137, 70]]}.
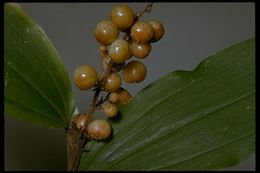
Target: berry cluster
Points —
{"points": [[114, 52]]}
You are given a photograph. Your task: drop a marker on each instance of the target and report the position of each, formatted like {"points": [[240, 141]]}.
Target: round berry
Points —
{"points": [[140, 50], [158, 30], [109, 109], [113, 82], [85, 77], [113, 97], [80, 120], [142, 31], [106, 32], [122, 16], [123, 96], [134, 72], [119, 51], [99, 129]]}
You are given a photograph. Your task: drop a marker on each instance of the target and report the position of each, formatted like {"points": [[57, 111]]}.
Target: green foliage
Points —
{"points": [[188, 120], [36, 84], [198, 120]]}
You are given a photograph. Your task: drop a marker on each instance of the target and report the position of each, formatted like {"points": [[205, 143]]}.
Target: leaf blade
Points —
{"points": [[186, 113], [32, 63]]}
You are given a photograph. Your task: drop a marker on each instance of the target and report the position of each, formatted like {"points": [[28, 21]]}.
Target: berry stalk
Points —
{"points": [[114, 51], [82, 134]]}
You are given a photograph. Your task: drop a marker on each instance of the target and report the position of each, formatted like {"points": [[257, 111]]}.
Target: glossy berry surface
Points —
{"points": [[99, 129], [122, 16], [158, 30], [123, 96], [113, 82], [140, 50], [109, 109], [113, 97], [106, 32], [85, 77], [134, 72], [119, 51], [141, 31]]}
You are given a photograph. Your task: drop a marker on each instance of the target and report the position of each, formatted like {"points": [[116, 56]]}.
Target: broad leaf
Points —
{"points": [[188, 120], [36, 84]]}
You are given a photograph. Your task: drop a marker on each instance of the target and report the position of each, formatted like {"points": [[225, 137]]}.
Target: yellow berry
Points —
{"points": [[99, 129], [113, 97], [122, 16], [158, 30], [109, 109], [123, 96], [140, 50], [119, 51], [142, 31], [106, 32], [134, 72], [113, 82], [85, 77]]}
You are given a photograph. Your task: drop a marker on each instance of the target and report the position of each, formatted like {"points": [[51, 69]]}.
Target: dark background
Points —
{"points": [[193, 31]]}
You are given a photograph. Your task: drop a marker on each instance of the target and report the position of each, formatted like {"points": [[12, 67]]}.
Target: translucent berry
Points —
{"points": [[122, 16], [99, 129], [109, 109], [134, 72], [113, 82], [85, 77], [123, 96], [142, 31], [113, 97], [158, 30], [106, 32], [119, 51], [140, 50]]}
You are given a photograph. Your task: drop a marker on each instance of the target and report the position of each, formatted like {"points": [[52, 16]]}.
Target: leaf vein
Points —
{"points": [[197, 118], [207, 151], [37, 90]]}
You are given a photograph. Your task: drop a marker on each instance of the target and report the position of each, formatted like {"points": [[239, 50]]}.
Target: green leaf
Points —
{"points": [[37, 88], [188, 120]]}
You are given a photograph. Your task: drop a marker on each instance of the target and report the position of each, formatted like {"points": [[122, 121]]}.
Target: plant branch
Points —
{"points": [[70, 147], [73, 159], [147, 9], [83, 137]]}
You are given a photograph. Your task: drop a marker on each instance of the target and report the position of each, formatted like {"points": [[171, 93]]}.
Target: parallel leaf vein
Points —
{"points": [[37, 90], [197, 118]]}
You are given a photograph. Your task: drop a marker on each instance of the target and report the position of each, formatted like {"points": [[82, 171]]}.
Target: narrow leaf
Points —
{"points": [[188, 120], [37, 88]]}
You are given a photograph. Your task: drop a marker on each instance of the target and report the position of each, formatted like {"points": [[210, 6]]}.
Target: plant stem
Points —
{"points": [[75, 155], [70, 148], [147, 9], [82, 136]]}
